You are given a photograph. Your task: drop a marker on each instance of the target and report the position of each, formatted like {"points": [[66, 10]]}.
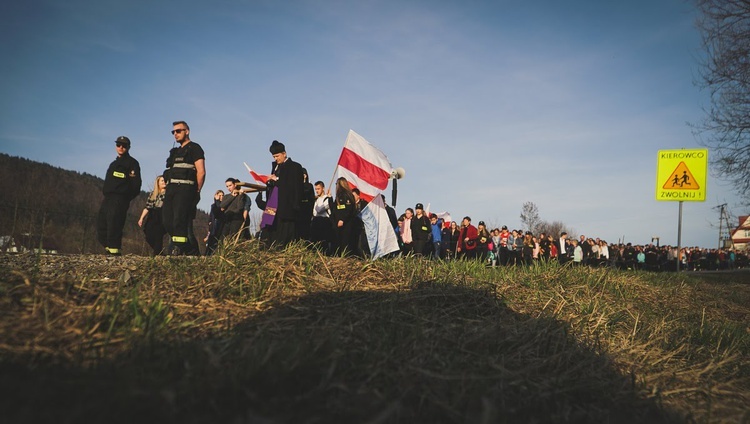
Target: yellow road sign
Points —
{"points": [[681, 175]]}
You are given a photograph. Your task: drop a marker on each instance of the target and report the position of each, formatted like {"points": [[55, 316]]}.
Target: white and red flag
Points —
{"points": [[364, 166], [257, 177]]}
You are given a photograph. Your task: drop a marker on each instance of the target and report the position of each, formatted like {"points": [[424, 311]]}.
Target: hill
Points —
{"points": [[57, 208], [252, 335]]}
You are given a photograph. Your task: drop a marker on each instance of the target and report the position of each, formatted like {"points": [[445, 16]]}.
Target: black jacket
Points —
{"points": [[421, 229], [123, 177], [290, 188]]}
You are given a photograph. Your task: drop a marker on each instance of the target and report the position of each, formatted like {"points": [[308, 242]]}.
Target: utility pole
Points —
{"points": [[725, 229], [721, 221], [729, 230]]}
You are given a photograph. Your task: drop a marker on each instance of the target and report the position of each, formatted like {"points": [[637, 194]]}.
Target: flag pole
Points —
{"points": [[335, 168], [332, 177]]}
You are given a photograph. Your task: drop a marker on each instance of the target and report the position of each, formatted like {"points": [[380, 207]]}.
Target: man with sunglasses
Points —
{"points": [[185, 175], [121, 185]]}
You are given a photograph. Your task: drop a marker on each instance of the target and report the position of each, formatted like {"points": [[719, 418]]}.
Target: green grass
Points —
{"points": [[252, 335]]}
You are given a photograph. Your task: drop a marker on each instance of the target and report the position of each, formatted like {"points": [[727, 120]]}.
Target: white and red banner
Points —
{"points": [[257, 177], [364, 166]]}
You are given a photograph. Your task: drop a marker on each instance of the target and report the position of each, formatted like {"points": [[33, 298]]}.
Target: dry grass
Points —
{"points": [[251, 335]]}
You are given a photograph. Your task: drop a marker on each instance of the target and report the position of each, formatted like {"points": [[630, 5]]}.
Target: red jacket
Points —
{"points": [[471, 233]]}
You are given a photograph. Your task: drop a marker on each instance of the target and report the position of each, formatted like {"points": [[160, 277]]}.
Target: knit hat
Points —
{"points": [[277, 147]]}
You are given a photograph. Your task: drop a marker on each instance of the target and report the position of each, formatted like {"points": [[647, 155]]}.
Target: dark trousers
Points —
{"points": [[468, 254], [321, 233], [302, 228], [111, 220], [436, 250], [154, 231], [482, 252], [178, 212], [504, 255], [232, 228], [347, 239], [419, 247], [284, 232]]}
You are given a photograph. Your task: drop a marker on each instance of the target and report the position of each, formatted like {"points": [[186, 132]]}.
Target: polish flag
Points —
{"points": [[364, 166], [261, 178], [446, 217]]}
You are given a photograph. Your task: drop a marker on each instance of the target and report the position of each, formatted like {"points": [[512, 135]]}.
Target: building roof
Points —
{"points": [[744, 224]]}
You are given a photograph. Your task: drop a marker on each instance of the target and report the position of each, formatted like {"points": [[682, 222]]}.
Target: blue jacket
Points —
{"points": [[437, 234]]}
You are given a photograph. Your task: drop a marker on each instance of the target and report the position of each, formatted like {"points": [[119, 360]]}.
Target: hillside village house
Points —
{"points": [[741, 234]]}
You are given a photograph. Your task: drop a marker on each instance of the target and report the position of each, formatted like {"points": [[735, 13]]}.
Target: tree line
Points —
{"points": [[44, 204]]}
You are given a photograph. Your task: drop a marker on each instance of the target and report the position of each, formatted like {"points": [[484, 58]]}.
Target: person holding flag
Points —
{"points": [[344, 214], [366, 168], [287, 180]]}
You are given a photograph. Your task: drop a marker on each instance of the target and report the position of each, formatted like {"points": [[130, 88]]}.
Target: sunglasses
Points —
{"points": [[121, 145], [179, 130]]}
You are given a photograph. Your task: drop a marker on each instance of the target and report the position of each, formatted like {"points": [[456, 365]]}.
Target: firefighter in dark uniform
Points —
{"points": [[343, 216], [185, 175], [121, 185]]}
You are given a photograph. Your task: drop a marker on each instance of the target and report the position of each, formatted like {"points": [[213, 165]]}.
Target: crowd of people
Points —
{"points": [[504, 247], [294, 209], [333, 225]]}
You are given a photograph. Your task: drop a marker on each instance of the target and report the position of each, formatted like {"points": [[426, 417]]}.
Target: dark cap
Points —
{"points": [[481, 222], [123, 140], [277, 147], [419, 206], [505, 227]]}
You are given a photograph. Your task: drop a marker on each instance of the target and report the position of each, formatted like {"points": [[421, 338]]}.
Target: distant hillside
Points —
{"points": [[43, 204]]}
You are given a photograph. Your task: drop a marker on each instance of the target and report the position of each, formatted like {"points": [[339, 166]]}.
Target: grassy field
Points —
{"points": [[259, 336]]}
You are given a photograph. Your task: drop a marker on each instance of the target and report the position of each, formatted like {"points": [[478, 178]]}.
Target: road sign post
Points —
{"points": [[681, 177]]}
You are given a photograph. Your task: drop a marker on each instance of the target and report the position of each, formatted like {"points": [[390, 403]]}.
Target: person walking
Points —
{"points": [[467, 240], [307, 204], [484, 240], [151, 221], [344, 212], [450, 240], [321, 230], [215, 224], [421, 229], [121, 185], [436, 225], [286, 177], [185, 175], [233, 206]]}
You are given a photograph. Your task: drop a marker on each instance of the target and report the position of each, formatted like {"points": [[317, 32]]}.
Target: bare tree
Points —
{"points": [[725, 73], [530, 216], [552, 228]]}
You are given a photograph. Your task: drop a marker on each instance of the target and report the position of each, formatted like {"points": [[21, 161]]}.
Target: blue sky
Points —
{"points": [[486, 104]]}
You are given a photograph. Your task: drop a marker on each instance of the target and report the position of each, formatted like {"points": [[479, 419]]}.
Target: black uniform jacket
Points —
{"points": [[123, 177]]}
